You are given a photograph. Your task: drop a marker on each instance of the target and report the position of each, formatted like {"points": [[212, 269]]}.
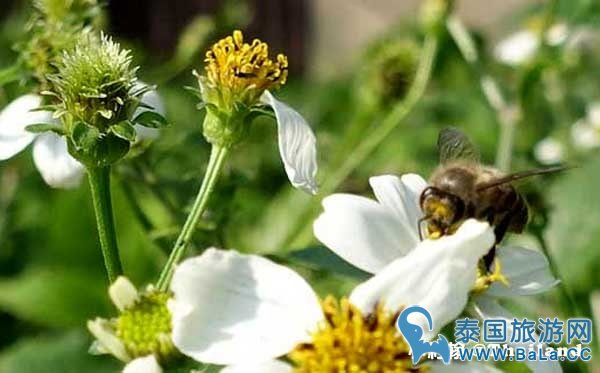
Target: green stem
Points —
{"points": [[373, 139], [215, 164], [101, 198]]}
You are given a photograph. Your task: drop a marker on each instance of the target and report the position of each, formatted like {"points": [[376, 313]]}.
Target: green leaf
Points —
{"points": [[84, 136], [65, 353], [124, 130], [46, 127], [59, 298], [151, 119]]}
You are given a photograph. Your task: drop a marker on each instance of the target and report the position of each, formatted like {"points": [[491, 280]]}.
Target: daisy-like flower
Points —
{"points": [[244, 311], [236, 87], [50, 155], [520, 47], [369, 234], [141, 334], [585, 133]]}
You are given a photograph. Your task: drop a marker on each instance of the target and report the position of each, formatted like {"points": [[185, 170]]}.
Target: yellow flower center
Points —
{"points": [[348, 341], [145, 328], [244, 70]]}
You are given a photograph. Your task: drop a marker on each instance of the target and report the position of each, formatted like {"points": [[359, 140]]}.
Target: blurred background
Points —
{"points": [[351, 63]]}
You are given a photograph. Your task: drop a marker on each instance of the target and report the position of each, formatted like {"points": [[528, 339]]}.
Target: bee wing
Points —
{"points": [[522, 175], [454, 145]]}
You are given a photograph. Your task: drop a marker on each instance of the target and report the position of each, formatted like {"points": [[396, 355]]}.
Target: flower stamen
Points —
{"points": [[348, 341], [485, 279]]}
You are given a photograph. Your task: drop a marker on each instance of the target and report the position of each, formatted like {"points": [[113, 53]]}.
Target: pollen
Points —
{"points": [[485, 279], [241, 68], [145, 327], [348, 341]]}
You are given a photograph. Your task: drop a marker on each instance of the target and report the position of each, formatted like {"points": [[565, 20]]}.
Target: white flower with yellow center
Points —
{"points": [[50, 155], [370, 234], [244, 311]]}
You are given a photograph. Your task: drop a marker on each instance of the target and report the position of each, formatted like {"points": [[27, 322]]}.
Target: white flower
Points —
{"points": [[518, 48], [50, 154], [549, 151], [297, 144], [245, 311], [369, 234], [585, 133]]}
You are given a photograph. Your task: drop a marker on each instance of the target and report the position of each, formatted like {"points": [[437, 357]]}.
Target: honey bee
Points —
{"points": [[462, 188]]}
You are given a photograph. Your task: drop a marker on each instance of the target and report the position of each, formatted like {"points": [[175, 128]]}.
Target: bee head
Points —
{"points": [[441, 210]]}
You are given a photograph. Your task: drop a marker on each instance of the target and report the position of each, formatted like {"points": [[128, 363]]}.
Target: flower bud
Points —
{"points": [[434, 13]]}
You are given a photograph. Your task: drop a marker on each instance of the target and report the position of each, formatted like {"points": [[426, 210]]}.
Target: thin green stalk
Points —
{"points": [[99, 179], [504, 113], [373, 138], [215, 164]]}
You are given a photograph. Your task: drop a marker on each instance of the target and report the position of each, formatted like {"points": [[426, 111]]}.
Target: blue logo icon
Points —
{"points": [[414, 334]]}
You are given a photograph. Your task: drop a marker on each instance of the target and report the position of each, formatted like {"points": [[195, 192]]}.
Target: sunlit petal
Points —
{"points": [[363, 232], [230, 308], [438, 275], [272, 366], [147, 364]]}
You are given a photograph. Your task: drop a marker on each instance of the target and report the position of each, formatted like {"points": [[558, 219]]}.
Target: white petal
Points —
{"points": [[438, 275], [549, 151], [52, 159], [467, 367], [297, 144], [122, 293], [272, 366], [487, 308], [13, 120], [150, 98], [107, 340], [527, 271], [517, 48], [362, 231], [147, 364], [230, 308], [401, 195], [584, 135]]}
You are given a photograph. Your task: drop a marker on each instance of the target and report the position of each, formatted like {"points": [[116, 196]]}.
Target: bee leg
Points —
{"points": [[488, 259], [499, 231]]}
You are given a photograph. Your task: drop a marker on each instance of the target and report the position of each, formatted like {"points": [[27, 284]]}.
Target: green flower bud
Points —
{"points": [[387, 74], [95, 85]]}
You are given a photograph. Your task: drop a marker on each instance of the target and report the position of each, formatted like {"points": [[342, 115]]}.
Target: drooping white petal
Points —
{"points": [[488, 308], [230, 308], [438, 275], [52, 159], [122, 293], [147, 364], [363, 232], [527, 271], [272, 366], [584, 135], [107, 341], [401, 195], [297, 144], [517, 48], [150, 98], [13, 120], [467, 367]]}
